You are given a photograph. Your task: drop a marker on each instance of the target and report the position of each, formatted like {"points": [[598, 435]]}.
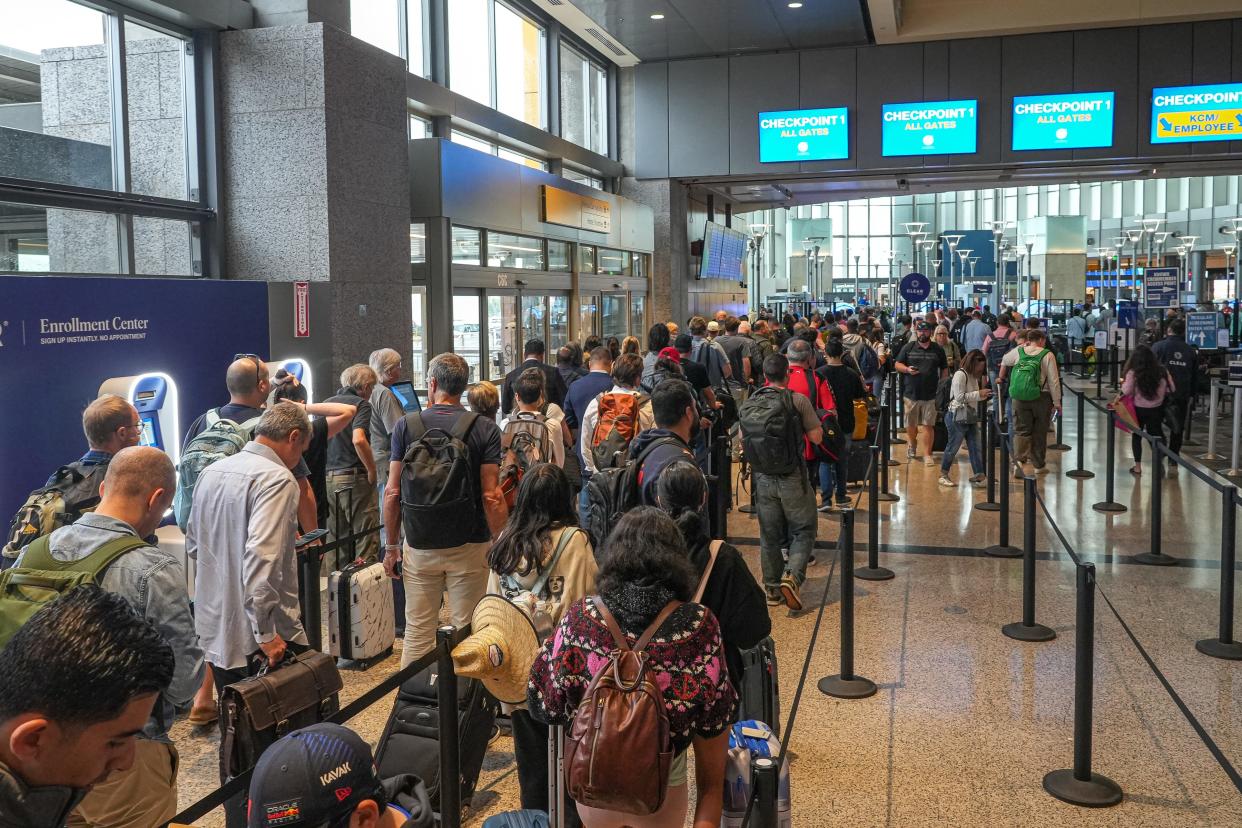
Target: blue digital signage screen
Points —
{"points": [[930, 128], [1180, 114], [1078, 120], [724, 252], [804, 135]]}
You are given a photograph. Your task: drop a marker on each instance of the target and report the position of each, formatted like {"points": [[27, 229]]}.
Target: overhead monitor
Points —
{"points": [[804, 135], [1077, 120], [1181, 114], [930, 128], [724, 252]]}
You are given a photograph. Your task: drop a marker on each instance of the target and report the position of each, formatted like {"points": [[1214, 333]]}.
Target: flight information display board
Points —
{"points": [[1181, 114], [930, 128], [724, 251], [804, 135], [1078, 120]]}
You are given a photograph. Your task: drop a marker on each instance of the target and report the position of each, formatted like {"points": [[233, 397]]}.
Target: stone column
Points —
{"points": [[670, 263]]}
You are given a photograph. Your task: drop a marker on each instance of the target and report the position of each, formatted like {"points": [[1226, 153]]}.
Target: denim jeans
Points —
{"points": [[836, 475], [786, 508], [958, 432]]}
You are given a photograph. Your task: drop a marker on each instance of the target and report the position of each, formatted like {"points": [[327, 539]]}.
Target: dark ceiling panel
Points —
{"points": [[695, 28]]}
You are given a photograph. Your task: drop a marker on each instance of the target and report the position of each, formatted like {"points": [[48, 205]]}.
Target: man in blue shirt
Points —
{"points": [[582, 392], [974, 333]]}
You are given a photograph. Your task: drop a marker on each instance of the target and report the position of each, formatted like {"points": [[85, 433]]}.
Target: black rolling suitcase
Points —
{"points": [[940, 435], [860, 463], [758, 691], [411, 740]]}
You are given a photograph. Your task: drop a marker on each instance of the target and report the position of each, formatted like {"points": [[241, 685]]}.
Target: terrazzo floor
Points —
{"points": [[966, 721]]}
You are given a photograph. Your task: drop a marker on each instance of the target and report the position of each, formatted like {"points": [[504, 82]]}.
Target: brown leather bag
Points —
{"points": [[254, 713], [618, 751]]}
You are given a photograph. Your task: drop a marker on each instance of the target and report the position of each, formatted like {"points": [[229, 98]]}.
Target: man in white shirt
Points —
{"points": [[626, 373], [242, 531]]}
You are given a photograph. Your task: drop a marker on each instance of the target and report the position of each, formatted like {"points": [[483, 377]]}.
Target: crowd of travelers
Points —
{"points": [[576, 492]]}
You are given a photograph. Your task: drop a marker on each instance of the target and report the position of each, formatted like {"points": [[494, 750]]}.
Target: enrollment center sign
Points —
{"points": [[1074, 121], [804, 135], [1181, 114], [930, 128], [1161, 286]]}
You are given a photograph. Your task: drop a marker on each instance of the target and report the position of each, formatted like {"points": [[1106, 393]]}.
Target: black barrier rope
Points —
{"points": [[241, 783], [1200, 731]]}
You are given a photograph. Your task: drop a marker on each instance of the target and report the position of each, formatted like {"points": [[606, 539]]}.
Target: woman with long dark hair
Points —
{"points": [[541, 555], [644, 569], [968, 388], [614, 347], [1150, 384], [731, 591]]}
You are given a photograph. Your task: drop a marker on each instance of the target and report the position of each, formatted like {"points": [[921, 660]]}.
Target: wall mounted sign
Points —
{"points": [[1072, 121], [914, 287], [572, 210], [930, 128], [804, 135], [1196, 113]]}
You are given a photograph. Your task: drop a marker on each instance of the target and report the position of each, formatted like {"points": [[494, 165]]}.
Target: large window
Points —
{"points": [[94, 100], [584, 101], [500, 152], [511, 78], [520, 252], [396, 26]]}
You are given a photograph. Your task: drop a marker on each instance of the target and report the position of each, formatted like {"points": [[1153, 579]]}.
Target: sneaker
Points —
{"points": [[789, 591], [1018, 474], [929, 461], [979, 478], [946, 482], [978, 484], [1043, 470], [1172, 468], [826, 507], [843, 503], [774, 596], [910, 455]]}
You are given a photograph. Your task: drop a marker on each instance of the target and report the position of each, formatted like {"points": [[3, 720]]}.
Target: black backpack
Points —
{"points": [[74, 490], [771, 431], [994, 349], [944, 391], [612, 492], [439, 505]]}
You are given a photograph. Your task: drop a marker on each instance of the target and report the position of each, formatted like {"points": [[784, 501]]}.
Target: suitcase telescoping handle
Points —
{"points": [[556, 777]]}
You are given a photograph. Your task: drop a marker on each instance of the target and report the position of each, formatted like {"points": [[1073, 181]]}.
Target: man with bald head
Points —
{"points": [[136, 492], [248, 383]]}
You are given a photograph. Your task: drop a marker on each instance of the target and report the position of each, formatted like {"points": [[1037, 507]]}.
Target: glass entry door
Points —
{"points": [[503, 347], [615, 315]]}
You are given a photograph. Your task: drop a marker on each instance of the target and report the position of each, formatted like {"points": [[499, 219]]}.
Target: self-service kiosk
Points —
{"points": [[155, 396], [300, 369]]}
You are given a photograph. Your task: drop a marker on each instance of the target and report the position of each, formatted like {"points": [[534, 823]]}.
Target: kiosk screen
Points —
{"points": [[148, 432], [407, 396]]}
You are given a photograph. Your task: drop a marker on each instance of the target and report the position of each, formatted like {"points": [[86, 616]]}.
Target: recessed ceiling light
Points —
{"points": [[657, 17], [795, 5]]}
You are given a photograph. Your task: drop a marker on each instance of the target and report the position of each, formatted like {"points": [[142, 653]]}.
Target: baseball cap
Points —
{"points": [[923, 325], [312, 776]]}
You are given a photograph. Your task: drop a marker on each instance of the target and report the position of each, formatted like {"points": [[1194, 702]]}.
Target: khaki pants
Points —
{"points": [[428, 574], [1030, 427], [143, 796], [363, 515]]}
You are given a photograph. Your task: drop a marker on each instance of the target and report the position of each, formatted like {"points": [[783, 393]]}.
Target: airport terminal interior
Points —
{"points": [[1037, 629]]}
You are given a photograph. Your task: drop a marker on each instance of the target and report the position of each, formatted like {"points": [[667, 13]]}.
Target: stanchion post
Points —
{"points": [[894, 431], [1080, 473], [885, 495], [990, 504], [308, 588], [450, 757], [1099, 377], [1003, 549], [1155, 555], [1079, 785], [846, 685], [1235, 466], [873, 571], [1108, 504], [1225, 645], [1027, 629], [1113, 366], [1060, 445], [765, 776]]}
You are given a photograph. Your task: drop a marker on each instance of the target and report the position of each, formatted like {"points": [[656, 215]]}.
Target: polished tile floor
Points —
{"points": [[966, 721]]}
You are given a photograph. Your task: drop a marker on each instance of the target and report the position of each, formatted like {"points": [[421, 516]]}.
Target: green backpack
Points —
{"points": [[1024, 381], [40, 579]]}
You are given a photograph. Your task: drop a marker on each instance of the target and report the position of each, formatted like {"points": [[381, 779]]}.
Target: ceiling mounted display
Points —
{"points": [[1078, 120], [930, 128], [804, 135], [1196, 113]]}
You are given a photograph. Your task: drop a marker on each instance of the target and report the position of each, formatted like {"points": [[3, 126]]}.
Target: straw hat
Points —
{"points": [[500, 650]]}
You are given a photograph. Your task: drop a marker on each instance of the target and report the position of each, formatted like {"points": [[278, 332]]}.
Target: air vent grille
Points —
{"points": [[612, 47], [556, 2]]}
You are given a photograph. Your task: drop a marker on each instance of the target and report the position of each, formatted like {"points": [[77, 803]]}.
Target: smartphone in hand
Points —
{"points": [[309, 537]]}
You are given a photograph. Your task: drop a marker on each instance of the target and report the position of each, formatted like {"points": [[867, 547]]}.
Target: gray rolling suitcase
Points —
{"points": [[555, 817], [360, 617]]}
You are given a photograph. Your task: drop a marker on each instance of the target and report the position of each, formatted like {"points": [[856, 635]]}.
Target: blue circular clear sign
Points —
{"points": [[915, 287]]}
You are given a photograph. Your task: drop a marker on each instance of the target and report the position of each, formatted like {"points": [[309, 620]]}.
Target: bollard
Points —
{"points": [[894, 428], [846, 685], [1080, 473], [1059, 445], [1079, 786], [990, 505], [1155, 556], [1099, 378], [450, 758], [1027, 629], [886, 450], [1225, 645], [765, 779], [1108, 504], [1003, 549], [873, 571], [1235, 469], [1112, 368]]}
